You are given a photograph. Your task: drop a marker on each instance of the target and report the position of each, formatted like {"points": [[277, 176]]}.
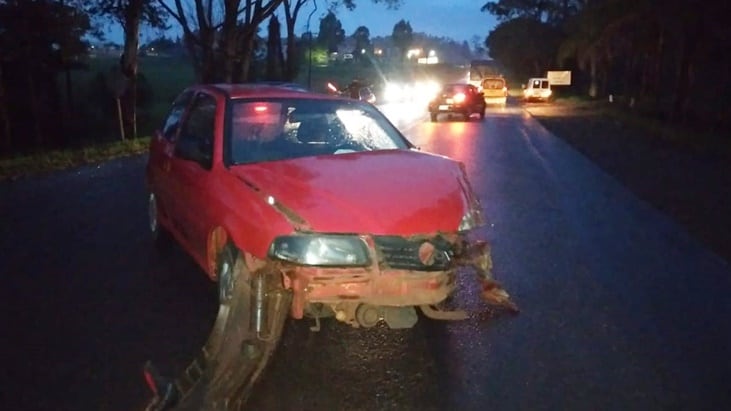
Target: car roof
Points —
{"points": [[264, 89]]}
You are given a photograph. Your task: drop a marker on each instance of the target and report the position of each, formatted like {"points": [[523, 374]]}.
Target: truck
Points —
{"points": [[487, 77]]}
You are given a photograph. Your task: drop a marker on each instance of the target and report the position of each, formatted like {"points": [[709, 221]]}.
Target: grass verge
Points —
{"points": [[33, 164]]}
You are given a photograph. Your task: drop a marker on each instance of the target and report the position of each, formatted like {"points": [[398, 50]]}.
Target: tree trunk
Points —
{"points": [[69, 92], [690, 41], [248, 40], [208, 72], [292, 63], [274, 58], [229, 40], [129, 63], [593, 78], [7, 138]]}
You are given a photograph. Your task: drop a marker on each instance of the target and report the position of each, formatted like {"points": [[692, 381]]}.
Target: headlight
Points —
{"points": [[470, 220], [321, 250], [393, 92]]}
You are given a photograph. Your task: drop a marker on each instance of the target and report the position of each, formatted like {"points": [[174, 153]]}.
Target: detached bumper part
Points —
{"points": [[478, 257], [165, 392]]}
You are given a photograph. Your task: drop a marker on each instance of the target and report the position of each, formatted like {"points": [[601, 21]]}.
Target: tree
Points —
{"points": [[291, 12], [221, 37], [402, 36], [39, 40], [547, 11], [478, 46], [331, 33], [292, 9], [527, 47], [350, 4], [275, 59], [130, 14], [362, 37]]}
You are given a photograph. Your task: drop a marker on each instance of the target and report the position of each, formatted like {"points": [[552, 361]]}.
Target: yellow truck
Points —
{"points": [[486, 76]]}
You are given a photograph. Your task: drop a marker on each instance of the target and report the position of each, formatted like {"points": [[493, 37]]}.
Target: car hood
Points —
{"points": [[396, 192]]}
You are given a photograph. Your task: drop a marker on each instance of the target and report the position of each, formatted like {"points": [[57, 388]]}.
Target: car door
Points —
{"points": [[161, 153], [191, 173]]}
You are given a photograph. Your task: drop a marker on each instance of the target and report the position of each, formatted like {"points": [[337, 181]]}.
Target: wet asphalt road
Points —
{"points": [[621, 309]]}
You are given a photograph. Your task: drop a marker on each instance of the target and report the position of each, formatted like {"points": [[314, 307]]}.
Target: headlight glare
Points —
{"points": [[321, 250]]}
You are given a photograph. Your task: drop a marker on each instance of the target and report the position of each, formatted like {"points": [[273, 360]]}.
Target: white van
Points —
{"points": [[537, 89]]}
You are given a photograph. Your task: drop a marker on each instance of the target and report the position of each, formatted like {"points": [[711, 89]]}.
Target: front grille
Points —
{"points": [[403, 253]]}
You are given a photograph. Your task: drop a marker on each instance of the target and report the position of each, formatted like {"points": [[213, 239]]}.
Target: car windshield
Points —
{"points": [[282, 129]]}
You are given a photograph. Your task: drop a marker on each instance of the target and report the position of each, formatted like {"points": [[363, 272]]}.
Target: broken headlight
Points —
{"points": [[470, 220], [321, 250]]}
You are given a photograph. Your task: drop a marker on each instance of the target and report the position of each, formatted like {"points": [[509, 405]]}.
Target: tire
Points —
{"points": [[433, 117], [237, 296], [160, 236], [482, 113], [236, 353], [225, 273]]}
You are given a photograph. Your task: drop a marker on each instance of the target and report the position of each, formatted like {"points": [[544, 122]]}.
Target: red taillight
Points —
{"points": [[459, 97]]}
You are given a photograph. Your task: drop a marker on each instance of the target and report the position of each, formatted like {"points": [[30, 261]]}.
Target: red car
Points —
{"points": [[308, 204]]}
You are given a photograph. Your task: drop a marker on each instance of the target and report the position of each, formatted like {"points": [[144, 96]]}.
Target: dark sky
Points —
{"points": [[456, 19]]}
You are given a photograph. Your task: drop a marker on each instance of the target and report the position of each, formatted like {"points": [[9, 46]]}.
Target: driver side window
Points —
{"points": [[172, 121], [195, 141]]}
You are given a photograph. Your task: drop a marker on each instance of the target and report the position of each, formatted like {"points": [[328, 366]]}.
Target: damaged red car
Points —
{"points": [[299, 205]]}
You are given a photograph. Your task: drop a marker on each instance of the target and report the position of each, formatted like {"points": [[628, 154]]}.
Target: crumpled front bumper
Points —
{"points": [[408, 272]]}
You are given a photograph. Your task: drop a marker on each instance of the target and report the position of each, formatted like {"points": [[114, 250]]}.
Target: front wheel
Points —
{"points": [[253, 307], [160, 236]]}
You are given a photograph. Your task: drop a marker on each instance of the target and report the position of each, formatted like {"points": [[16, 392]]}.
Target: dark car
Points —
{"points": [[459, 98]]}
